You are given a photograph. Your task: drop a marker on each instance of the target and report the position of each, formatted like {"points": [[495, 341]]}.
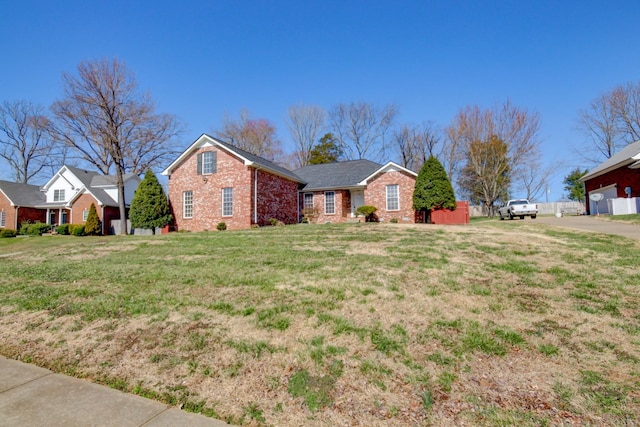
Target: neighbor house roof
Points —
{"points": [[248, 158], [22, 194], [92, 181], [629, 155], [339, 175]]}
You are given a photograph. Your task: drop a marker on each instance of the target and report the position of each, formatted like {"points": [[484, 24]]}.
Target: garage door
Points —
{"points": [[602, 207]]}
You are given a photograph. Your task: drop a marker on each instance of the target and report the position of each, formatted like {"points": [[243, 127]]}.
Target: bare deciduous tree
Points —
{"points": [[305, 123], [533, 178], [505, 137], [256, 136], [611, 121], [109, 124], [24, 141], [599, 125], [416, 144], [361, 129]]}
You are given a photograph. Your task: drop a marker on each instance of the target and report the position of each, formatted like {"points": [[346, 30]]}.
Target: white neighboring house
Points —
{"points": [[68, 195]]}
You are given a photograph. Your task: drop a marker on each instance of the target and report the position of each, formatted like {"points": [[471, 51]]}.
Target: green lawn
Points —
{"points": [[494, 323]]}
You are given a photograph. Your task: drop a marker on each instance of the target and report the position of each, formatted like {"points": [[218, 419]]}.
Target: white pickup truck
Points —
{"points": [[518, 207]]}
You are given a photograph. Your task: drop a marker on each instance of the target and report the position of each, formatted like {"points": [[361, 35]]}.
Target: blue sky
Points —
{"points": [[200, 59]]}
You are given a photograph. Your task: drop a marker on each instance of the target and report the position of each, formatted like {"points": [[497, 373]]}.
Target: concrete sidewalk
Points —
{"points": [[33, 396]]}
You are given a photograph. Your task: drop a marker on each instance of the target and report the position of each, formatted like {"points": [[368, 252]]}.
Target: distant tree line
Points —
{"points": [[105, 122]]}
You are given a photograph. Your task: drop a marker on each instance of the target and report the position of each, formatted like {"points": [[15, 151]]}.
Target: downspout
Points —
{"points": [[16, 221], [255, 197], [102, 216]]}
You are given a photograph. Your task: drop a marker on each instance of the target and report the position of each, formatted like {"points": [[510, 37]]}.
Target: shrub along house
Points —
{"points": [[65, 199], [334, 191], [618, 181], [213, 182]]}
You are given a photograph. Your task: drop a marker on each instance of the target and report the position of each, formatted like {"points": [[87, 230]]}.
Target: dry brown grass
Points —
{"points": [[404, 311]]}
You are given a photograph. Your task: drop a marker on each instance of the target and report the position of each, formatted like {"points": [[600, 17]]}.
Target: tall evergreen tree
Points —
{"points": [[433, 189], [326, 150], [150, 207], [573, 185], [93, 225]]}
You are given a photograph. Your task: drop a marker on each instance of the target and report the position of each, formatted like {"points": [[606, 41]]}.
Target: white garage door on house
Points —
{"points": [[602, 207]]}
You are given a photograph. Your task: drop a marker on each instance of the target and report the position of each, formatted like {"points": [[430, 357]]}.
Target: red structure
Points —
{"points": [[446, 216]]}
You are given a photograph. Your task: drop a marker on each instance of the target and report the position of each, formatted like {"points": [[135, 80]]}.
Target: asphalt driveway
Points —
{"points": [[592, 223]]}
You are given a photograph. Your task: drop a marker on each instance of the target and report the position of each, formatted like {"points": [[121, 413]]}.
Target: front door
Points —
{"points": [[357, 200]]}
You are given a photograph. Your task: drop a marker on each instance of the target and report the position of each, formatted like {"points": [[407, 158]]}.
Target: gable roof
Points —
{"points": [[629, 155], [339, 175], [22, 194], [248, 158], [92, 183], [344, 175]]}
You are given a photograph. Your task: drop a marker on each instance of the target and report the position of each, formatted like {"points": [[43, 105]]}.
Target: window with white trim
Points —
{"points": [[187, 204], [227, 201], [393, 197], [329, 202], [3, 218], [308, 202], [58, 195], [85, 215], [207, 163]]}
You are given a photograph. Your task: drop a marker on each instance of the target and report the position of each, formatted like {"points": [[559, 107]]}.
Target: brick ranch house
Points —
{"points": [[618, 180], [334, 191], [64, 199], [213, 182]]}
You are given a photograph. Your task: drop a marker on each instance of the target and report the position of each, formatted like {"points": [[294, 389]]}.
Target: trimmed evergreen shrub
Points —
{"points": [[77, 230], [150, 208], [8, 233], [368, 212], [93, 226], [63, 229], [433, 189], [221, 226]]}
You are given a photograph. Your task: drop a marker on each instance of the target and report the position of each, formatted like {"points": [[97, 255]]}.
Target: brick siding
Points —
{"points": [[276, 195], [376, 195], [80, 204], [276, 198], [342, 201], [24, 214]]}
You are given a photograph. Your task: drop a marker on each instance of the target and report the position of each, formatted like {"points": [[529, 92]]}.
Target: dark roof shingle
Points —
{"points": [[261, 161], [22, 194], [336, 175]]}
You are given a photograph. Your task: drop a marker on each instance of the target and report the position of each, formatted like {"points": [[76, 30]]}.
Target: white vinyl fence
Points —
{"points": [[550, 208]]}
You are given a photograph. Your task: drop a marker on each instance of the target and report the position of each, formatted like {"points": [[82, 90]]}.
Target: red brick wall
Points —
{"points": [[24, 214], [342, 201], [376, 195], [80, 204], [31, 215], [10, 212], [623, 177], [276, 198], [207, 192]]}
